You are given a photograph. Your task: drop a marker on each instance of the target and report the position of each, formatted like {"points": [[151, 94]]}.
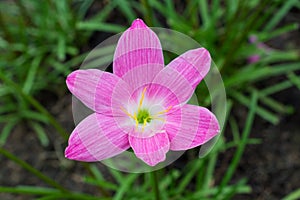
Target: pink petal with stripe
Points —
{"points": [[193, 65], [151, 150], [98, 90], [138, 47], [171, 80], [141, 75], [156, 94], [95, 138], [190, 126]]}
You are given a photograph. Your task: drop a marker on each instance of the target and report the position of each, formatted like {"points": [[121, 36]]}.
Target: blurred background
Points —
{"points": [[256, 46]]}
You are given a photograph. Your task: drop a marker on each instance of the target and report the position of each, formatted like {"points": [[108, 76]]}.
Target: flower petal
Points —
{"points": [[138, 47], [171, 80], [193, 65], [190, 126], [98, 90], [95, 138], [151, 150], [180, 78]]}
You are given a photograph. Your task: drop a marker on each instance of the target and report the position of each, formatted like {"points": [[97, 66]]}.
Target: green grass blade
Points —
{"points": [[276, 88], [99, 26], [4, 91], [194, 168], [235, 189], [42, 136], [293, 196], [32, 115], [276, 106], [31, 75], [48, 193], [254, 74], [203, 194], [8, 108], [7, 130], [272, 103], [264, 36], [74, 196], [28, 190], [234, 129], [104, 13], [280, 14], [208, 177], [61, 48], [125, 185], [118, 176], [265, 114], [102, 183], [126, 9], [294, 79], [203, 10], [83, 8], [96, 172], [35, 104], [232, 7], [168, 180], [159, 6], [240, 148]]}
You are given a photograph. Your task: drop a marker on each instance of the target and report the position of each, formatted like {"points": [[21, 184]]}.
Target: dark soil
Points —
{"points": [[273, 167]]}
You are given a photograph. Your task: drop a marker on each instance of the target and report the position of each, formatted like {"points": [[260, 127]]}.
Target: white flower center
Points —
{"points": [[143, 116]]}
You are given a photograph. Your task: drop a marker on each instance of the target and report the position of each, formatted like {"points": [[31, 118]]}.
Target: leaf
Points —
{"points": [[125, 186], [99, 26], [293, 196], [42, 136], [287, 5], [32, 71], [8, 127]]}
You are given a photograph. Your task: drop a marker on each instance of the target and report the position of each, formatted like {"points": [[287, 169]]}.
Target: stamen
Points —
{"points": [[127, 113], [142, 99], [163, 112], [136, 120], [158, 118], [144, 125], [131, 116], [145, 122]]}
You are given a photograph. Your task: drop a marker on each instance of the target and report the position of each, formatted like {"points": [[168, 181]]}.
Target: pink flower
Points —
{"points": [[254, 58], [141, 105]]}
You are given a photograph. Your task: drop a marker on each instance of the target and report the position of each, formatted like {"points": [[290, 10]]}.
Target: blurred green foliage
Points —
{"points": [[43, 41], [36, 38]]}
